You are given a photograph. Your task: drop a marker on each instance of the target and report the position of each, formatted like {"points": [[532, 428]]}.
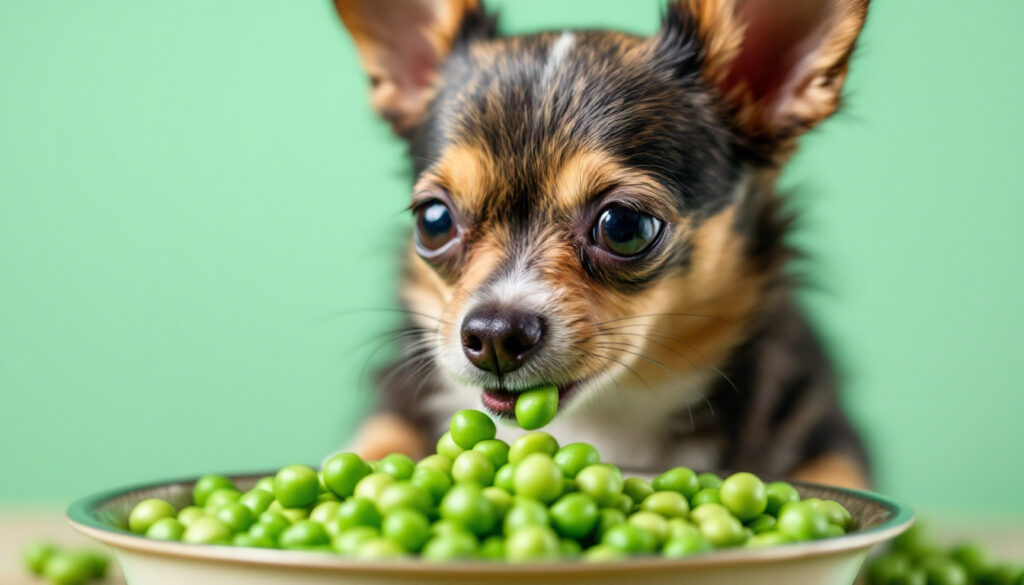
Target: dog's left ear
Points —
{"points": [[779, 64], [402, 44]]}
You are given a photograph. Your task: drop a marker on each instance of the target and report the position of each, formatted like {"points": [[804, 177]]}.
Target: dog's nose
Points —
{"points": [[500, 341]]}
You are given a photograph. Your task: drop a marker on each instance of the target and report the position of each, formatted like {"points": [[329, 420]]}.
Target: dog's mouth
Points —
{"points": [[503, 402]]}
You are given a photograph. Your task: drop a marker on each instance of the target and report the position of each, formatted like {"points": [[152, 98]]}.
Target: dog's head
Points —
{"points": [[594, 209]]}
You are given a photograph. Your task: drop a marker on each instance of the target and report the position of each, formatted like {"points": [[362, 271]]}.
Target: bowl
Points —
{"points": [[833, 561]]}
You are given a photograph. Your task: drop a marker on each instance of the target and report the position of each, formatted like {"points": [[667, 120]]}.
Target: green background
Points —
{"points": [[194, 197]]}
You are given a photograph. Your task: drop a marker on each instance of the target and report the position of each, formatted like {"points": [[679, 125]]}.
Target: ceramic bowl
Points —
{"points": [[834, 561]]}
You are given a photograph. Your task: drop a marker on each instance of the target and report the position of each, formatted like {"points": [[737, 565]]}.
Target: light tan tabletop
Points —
{"points": [[1004, 536]]}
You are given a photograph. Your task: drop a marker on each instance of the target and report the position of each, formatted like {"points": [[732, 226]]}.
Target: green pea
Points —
{"points": [[947, 572], [600, 482], [505, 477], [629, 539], [257, 500], [206, 530], [884, 570], [265, 483], [624, 503], [221, 497], [492, 548], [679, 479], [833, 511], [779, 494], [450, 547], [532, 543], [654, 524], [68, 568], [800, 521], [607, 518], [574, 515], [295, 514], [303, 534], [190, 514], [569, 549], [378, 549], [703, 512], [911, 577], [435, 461], [348, 542], [723, 531], [404, 494], [296, 486], [371, 486], [36, 554], [466, 505], [324, 512], [916, 541], [408, 528], [343, 471], [260, 532], [667, 504], [763, 523], [445, 527], [469, 427], [535, 442], [98, 560], [603, 553], [768, 539], [706, 496], [235, 516], [206, 485], [685, 545], [525, 512], [538, 477], [500, 500], [473, 466], [744, 494], [147, 512], [536, 408], [496, 451], [434, 481], [447, 447], [397, 466], [354, 512], [678, 527], [637, 488], [972, 558], [574, 457], [709, 481]]}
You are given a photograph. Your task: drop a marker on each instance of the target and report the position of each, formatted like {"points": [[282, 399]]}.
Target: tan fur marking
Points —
{"points": [[834, 469]]}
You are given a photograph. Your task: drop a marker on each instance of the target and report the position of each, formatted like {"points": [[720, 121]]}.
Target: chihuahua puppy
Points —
{"points": [[597, 210]]}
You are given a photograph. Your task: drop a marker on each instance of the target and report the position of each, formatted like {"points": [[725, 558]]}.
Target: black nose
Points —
{"points": [[500, 341]]}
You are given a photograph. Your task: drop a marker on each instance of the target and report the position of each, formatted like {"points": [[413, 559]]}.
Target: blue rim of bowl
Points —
{"points": [[82, 516]]}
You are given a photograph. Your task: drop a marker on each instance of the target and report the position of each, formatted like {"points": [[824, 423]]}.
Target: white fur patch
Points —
{"points": [[556, 55]]}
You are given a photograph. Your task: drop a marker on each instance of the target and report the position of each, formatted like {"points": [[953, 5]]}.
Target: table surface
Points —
{"points": [[1003, 536]]}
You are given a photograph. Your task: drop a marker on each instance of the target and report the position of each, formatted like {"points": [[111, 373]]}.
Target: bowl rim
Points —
{"points": [[80, 516]]}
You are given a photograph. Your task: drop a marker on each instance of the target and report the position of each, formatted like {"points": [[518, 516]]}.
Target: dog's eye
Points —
{"points": [[625, 231], [435, 225]]}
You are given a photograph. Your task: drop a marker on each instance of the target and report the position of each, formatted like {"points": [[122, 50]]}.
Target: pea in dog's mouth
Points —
{"points": [[503, 402]]}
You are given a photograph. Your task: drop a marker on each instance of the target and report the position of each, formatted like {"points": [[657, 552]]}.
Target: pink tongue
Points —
{"points": [[499, 401]]}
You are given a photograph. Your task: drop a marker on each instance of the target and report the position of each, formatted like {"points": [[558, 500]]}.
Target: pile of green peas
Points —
{"points": [[916, 559], [65, 567], [478, 497]]}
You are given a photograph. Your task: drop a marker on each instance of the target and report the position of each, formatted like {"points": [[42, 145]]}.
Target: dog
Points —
{"points": [[597, 210]]}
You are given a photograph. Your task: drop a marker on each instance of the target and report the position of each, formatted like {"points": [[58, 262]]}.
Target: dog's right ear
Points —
{"points": [[402, 44]]}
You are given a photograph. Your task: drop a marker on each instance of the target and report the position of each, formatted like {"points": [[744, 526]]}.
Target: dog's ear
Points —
{"points": [[402, 44], [779, 64]]}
